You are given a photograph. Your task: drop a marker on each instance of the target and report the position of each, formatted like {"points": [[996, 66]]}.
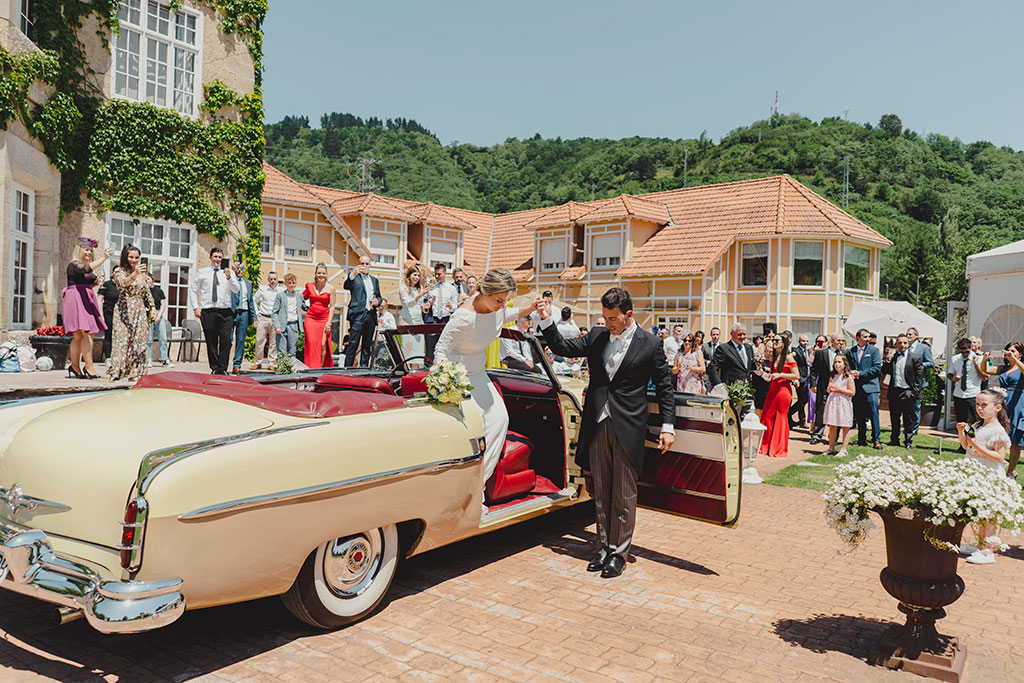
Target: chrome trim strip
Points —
{"points": [[320, 489], [687, 492], [154, 462], [16, 500], [540, 502]]}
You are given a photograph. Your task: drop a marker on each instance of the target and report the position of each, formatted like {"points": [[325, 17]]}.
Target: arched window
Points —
{"points": [[1004, 325]]}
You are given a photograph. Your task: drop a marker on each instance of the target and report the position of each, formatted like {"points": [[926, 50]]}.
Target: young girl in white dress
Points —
{"points": [[472, 328], [988, 445]]}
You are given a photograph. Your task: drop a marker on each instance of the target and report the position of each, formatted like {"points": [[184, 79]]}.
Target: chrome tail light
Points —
{"points": [[132, 530]]}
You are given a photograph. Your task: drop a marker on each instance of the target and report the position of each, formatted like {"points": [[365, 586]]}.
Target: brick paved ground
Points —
{"points": [[770, 600]]}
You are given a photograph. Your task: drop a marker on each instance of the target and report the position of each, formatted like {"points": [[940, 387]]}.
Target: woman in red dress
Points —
{"points": [[317, 353], [775, 415]]}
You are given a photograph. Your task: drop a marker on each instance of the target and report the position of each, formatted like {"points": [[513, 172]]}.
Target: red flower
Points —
{"points": [[52, 331]]}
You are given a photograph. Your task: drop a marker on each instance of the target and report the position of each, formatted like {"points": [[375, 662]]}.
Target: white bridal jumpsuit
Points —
{"points": [[465, 340]]}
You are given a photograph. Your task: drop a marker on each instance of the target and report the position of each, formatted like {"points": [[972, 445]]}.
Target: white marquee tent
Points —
{"points": [[994, 309], [889, 318]]}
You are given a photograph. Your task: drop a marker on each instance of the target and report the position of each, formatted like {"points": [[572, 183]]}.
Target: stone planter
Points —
{"points": [[924, 580], [55, 347], [930, 414]]}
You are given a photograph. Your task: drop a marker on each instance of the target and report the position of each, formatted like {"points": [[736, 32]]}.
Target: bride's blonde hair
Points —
{"points": [[496, 281]]}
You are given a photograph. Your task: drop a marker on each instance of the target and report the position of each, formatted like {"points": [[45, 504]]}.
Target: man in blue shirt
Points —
{"points": [[867, 365]]}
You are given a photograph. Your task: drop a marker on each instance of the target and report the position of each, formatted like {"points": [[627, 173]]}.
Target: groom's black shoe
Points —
{"points": [[613, 567], [597, 564]]}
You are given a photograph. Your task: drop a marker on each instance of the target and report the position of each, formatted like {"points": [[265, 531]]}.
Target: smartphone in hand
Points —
{"points": [[225, 264]]}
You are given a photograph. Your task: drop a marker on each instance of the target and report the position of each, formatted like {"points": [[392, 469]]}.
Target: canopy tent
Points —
{"points": [[889, 318], [994, 308]]}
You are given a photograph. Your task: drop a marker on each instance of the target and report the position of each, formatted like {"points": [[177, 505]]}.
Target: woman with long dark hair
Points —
{"points": [[775, 414], [1011, 379], [81, 311], [132, 316]]}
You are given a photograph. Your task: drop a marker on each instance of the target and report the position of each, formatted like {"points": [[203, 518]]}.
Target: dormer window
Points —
{"points": [[552, 255], [156, 52], [606, 251]]}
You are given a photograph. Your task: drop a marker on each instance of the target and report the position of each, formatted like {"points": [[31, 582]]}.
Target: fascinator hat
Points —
{"points": [[87, 243]]}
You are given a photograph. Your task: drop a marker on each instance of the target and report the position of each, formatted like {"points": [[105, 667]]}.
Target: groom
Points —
{"points": [[622, 358]]}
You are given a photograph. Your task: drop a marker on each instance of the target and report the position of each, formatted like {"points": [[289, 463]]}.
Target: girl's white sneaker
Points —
{"points": [[982, 557]]}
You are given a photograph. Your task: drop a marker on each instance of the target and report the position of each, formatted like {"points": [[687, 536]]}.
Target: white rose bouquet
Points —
{"points": [[447, 382], [948, 492]]}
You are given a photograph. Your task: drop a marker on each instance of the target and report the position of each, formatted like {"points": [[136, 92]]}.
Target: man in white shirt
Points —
{"points": [[566, 327], [966, 379], [674, 343], [518, 355], [264, 299], [444, 301], [622, 359], [362, 312], [210, 298]]}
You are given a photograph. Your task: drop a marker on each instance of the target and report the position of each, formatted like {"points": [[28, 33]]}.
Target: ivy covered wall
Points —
{"points": [[133, 157]]}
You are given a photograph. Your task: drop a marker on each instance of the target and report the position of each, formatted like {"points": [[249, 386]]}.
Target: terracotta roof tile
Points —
{"points": [[573, 273], [627, 206], [429, 212], [371, 205], [282, 188]]}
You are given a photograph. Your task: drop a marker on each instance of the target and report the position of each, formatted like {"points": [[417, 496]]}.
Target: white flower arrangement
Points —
{"points": [[948, 492], [447, 382]]}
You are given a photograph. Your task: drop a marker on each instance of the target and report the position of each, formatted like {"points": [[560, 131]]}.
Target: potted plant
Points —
{"points": [[924, 509], [54, 342], [931, 396]]}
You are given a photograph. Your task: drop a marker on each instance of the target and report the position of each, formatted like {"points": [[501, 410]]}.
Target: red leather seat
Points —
{"points": [[512, 477], [370, 385], [413, 383]]}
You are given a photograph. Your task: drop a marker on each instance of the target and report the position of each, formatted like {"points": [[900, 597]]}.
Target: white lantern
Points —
{"points": [[754, 431]]}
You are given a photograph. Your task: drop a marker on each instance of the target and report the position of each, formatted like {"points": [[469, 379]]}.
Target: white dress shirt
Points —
{"points": [[264, 299], [614, 353], [386, 321], [200, 290], [293, 308], [899, 366], [968, 373], [671, 345], [444, 292], [520, 350], [568, 329], [243, 294]]}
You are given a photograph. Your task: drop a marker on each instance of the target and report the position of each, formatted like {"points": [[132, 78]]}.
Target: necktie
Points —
{"points": [[214, 285], [963, 377], [860, 354]]}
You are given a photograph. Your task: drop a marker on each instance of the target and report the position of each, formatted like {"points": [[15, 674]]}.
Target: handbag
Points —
{"points": [[9, 357]]}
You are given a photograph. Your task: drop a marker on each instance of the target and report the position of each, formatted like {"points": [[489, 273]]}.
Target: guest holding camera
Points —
{"points": [[82, 317], [966, 376], [132, 316], [1011, 380], [362, 312]]}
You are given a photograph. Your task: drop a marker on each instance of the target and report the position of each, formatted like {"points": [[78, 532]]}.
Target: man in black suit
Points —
{"points": [[709, 348], [803, 359], [906, 375], [362, 312], [622, 358], [821, 366], [733, 360]]}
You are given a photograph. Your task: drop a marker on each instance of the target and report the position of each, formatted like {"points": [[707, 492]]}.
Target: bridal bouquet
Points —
{"points": [[948, 492], [447, 382]]}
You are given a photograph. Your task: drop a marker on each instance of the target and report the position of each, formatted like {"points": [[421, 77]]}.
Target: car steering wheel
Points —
{"points": [[405, 362]]}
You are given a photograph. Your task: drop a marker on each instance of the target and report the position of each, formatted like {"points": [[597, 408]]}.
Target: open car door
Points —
{"points": [[700, 476]]}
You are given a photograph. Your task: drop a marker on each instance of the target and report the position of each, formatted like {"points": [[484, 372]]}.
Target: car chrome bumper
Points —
{"points": [[34, 569]]}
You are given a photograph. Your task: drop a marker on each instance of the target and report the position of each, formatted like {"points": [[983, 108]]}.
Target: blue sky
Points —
{"points": [[481, 71]]}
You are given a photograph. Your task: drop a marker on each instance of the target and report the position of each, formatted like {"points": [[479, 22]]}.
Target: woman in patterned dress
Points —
{"points": [[132, 317]]}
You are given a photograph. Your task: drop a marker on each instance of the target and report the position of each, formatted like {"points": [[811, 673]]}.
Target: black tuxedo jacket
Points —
{"points": [[729, 366], [357, 304], [626, 394], [801, 362], [913, 372], [822, 368]]}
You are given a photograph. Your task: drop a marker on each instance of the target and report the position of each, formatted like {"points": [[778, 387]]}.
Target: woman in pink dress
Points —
{"points": [[775, 414], [689, 368], [82, 316], [317, 328], [838, 412]]}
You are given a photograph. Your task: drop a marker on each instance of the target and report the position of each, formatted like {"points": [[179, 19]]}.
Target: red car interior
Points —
{"points": [[371, 385]]}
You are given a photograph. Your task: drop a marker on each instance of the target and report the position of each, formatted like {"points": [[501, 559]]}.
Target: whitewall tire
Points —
{"points": [[345, 579]]}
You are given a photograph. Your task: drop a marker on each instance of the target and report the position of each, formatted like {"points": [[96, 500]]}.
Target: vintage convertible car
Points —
{"points": [[206, 490]]}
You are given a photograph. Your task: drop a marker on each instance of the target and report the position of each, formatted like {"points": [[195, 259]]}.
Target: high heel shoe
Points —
{"points": [[89, 375], [74, 374]]}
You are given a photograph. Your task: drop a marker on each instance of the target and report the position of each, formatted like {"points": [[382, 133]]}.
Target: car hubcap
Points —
{"points": [[352, 563]]}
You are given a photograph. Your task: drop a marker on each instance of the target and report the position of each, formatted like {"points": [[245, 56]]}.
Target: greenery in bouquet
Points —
{"points": [[284, 366], [947, 492], [447, 382], [740, 392]]}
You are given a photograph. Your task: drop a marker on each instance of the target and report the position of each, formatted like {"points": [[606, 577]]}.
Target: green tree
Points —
{"points": [[891, 124]]}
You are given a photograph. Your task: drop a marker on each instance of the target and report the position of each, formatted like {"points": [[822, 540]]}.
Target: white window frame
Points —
{"points": [[297, 256], [767, 263], [671, 320], [392, 229], [868, 276], [560, 246], [793, 264], [145, 34], [808, 319], [754, 325], [28, 239], [605, 262], [25, 16], [268, 237], [160, 264]]}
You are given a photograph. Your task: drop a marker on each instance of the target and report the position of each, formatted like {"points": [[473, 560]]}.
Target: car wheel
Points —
{"points": [[345, 579]]}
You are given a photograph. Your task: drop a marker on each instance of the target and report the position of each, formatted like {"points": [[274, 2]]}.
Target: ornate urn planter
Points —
{"points": [[924, 579], [56, 347]]}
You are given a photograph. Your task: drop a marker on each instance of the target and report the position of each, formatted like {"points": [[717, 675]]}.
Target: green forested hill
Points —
{"points": [[937, 198]]}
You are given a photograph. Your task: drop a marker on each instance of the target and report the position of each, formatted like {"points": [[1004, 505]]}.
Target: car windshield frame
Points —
{"points": [[394, 348]]}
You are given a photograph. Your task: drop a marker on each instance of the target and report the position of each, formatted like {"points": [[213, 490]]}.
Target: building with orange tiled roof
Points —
{"points": [[762, 250]]}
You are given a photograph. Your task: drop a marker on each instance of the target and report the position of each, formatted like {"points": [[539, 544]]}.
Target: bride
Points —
{"points": [[466, 336]]}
